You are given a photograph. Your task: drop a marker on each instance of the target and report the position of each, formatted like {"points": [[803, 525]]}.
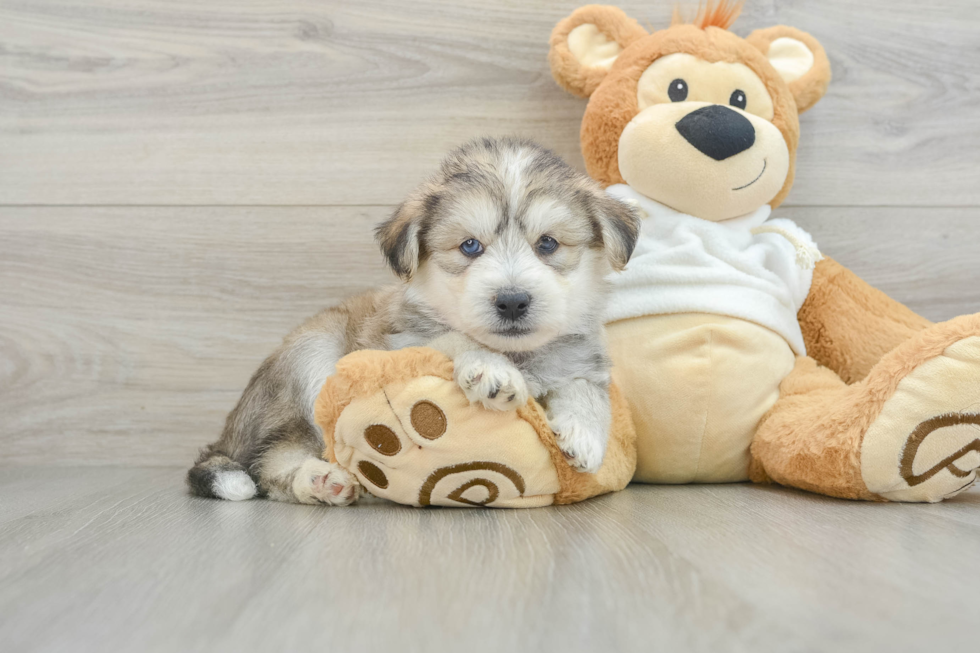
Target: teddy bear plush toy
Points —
{"points": [[741, 353], [399, 422]]}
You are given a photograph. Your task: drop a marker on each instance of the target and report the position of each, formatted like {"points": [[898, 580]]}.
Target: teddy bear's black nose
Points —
{"points": [[717, 131]]}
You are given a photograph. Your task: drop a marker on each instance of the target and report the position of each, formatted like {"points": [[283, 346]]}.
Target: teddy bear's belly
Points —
{"points": [[697, 385]]}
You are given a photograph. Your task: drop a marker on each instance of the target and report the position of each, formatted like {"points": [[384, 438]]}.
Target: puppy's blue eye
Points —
{"points": [[547, 245], [471, 247]]}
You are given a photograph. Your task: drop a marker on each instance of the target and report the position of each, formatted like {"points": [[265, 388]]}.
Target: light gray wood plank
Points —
{"points": [[331, 102], [26, 490], [142, 566], [924, 257], [128, 333]]}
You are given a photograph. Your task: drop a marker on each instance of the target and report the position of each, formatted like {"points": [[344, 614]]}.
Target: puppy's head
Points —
{"points": [[508, 244]]}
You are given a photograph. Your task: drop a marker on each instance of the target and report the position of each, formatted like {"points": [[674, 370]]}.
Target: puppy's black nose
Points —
{"points": [[512, 305], [717, 131]]}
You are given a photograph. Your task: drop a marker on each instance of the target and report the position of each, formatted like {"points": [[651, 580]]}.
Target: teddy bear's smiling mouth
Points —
{"points": [[764, 161]]}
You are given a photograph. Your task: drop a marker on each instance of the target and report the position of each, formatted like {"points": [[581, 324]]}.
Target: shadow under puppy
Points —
{"points": [[503, 256]]}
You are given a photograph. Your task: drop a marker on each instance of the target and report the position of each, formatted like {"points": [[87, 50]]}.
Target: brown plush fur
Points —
{"points": [[366, 372], [617, 467], [810, 87], [614, 104], [848, 325], [720, 15], [811, 439], [613, 22]]}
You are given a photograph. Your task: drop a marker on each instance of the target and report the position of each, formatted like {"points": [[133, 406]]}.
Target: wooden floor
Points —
{"points": [[114, 559], [182, 182]]}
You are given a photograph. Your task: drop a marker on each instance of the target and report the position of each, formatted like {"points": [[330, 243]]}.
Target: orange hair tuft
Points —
{"points": [[711, 14]]}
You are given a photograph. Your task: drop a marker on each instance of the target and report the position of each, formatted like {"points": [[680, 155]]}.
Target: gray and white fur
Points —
{"points": [[502, 257]]}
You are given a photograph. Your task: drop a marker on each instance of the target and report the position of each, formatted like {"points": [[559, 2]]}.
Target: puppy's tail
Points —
{"points": [[217, 476]]}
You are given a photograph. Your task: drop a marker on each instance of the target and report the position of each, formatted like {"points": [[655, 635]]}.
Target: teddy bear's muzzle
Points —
{"points": [[704, 159]]}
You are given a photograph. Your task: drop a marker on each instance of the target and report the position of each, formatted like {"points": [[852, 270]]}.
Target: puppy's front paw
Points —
{"points": [[318, 481], [584, 445], [490, 379]]}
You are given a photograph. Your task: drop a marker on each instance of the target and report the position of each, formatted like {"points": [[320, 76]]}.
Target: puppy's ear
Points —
{"points": [[399, 237], [798, 58], [585, 45], [619, 227]]}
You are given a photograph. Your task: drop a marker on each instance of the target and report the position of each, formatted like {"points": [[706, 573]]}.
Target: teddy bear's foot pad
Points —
{"points": [[925, 444], [400, 424], [422, 443]]}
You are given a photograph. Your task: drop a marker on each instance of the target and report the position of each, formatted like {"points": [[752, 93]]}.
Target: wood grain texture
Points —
{"points": [[182, 182], [110, 559], [336, 102], [128, 333]]}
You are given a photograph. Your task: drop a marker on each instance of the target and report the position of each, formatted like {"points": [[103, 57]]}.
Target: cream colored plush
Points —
{"points": [[854, 397], [939, 403], [706, 383], [399, 422], [880, 404], [505, 463]]}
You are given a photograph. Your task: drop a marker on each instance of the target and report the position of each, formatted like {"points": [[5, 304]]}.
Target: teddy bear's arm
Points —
{"points": [[849, 325]]}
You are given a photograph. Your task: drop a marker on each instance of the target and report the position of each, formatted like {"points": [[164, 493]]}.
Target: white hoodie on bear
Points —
{"points": [[746, 267]]}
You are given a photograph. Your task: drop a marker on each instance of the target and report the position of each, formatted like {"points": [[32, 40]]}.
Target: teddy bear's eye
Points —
{"points": [[737, 99], [677, 91]]}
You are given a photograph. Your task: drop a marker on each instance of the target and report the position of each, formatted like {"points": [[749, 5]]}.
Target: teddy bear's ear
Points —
{"points": [[585, 45], [798, 58]]}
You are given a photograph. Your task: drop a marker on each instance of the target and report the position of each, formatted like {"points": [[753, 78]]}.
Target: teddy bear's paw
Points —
{"points": [[490, 379], [946, 443], [583, 444], [925, 443], [320, 482]]}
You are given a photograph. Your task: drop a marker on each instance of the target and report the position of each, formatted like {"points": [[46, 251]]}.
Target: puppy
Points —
{"points": [[502, 257]]}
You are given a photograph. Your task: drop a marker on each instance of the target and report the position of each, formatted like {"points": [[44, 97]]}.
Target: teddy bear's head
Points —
{"points": [[691, 116]]}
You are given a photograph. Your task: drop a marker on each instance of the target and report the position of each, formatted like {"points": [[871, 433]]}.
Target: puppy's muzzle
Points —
{"points": [[512, 305]]}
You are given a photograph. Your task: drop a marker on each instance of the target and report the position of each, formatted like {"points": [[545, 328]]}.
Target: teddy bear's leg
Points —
{"points": [[910, 431], [849, 325], [811, 438]]}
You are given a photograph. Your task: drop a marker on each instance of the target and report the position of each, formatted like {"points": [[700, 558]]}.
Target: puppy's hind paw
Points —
{"points": [[490, 379], [583, 447], [320, 482]]}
